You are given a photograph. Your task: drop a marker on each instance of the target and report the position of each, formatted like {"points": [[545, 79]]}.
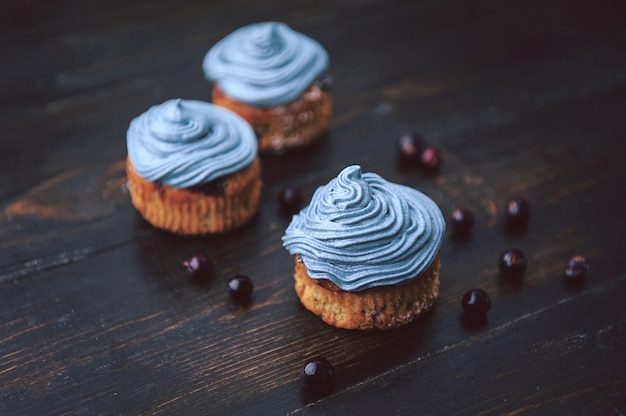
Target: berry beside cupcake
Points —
{"points": [[275, 78], [193, 168], [366, 252]]}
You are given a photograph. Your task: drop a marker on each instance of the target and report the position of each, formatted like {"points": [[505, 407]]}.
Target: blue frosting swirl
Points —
{"points": [[265, 64], [361, 231], [182, 143]]}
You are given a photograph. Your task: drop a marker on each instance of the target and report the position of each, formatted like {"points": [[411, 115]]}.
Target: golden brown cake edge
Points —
{"points": [[384, 307], [184, 212], [298, 123]]}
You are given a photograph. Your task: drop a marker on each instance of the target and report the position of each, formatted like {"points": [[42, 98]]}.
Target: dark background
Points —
{"points": [[523, 99]]}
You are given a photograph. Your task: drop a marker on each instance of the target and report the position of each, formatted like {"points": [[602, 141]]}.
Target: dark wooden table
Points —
{"points": [[522, 98]]}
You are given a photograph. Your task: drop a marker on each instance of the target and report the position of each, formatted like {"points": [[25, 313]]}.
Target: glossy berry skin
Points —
{"points": [[318, 375], [291, 198], [513, 263], [214, 188], [463, 219], [410, 147], [430, 159], [199, 268], [325, 82], [577, 268], [516, 213], [476, 302], [240, 289]]}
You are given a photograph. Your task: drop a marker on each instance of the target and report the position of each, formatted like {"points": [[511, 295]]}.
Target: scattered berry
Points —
{"points": [[577, 268], [415, 153], [199, 268], [325, 82], [463, 220], [410, 147], [291, 199], [476, 302], [318, 375], [513, 263], [430, 159], [516, 213], [240, 289]]}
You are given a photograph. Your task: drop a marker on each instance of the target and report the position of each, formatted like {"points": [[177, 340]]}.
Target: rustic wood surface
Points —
{"points": [[522, 98]]}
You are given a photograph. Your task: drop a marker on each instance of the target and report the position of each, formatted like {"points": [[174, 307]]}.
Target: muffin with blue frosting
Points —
{"points": [[276, 79], [193, 168], [366, 252]]}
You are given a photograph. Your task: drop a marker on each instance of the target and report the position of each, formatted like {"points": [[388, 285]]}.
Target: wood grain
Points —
{"points": [[98, 317]]}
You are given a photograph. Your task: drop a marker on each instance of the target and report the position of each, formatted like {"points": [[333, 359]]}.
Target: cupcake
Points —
{"points": [[275, 78], [193, 168], [366, 252]]}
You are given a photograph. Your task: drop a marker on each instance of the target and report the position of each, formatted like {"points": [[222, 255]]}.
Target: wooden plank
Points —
{"points": [[97, 316], [508, 369]]}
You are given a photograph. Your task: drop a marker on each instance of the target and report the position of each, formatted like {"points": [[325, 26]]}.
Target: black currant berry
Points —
{"points": [[318, 375], [463, 220], [240, 289], [410, 147], [199, 268], [430, 159], [516, 213], [325, 82], [577, 268], [291, 198], [513, 263], [476, 302], [214, 188]]}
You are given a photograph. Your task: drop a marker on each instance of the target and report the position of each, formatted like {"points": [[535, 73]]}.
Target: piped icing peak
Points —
{"points": [[361, 231], [265, 64], [183, 143], [174, 124], [265, 41]]}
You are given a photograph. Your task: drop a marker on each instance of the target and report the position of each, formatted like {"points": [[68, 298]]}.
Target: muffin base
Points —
{"points": [[278, 128], [384, 307], [187, 212]]}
